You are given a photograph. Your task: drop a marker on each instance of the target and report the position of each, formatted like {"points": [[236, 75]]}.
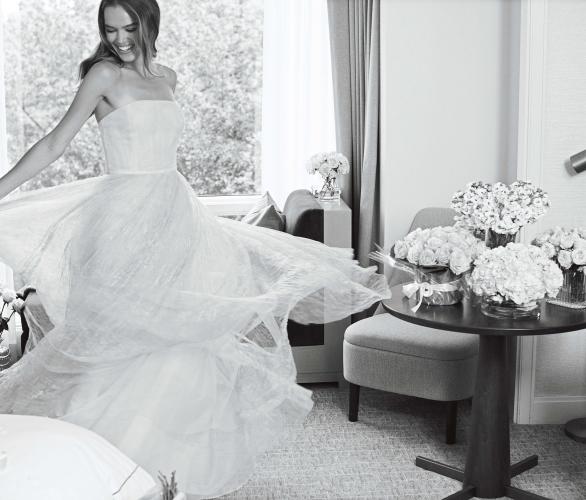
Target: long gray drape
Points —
{"points": [[355, 47]]}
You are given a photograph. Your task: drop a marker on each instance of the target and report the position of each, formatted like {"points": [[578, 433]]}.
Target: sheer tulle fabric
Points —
{"points": [[169, 334]]}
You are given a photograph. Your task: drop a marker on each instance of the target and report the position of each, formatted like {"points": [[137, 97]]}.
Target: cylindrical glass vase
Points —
{"points": [[494, 239], [507, 309], [330, 190], [452, 290], [4, 356], [573, 291]]}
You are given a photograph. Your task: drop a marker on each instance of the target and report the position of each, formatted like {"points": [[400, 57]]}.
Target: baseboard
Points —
{"points": [[557, 409]]}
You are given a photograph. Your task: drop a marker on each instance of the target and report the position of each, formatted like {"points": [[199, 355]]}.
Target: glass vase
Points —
{"points": [[573, 291], [4, 356], [496, 307], [494, 239], [330, 191], [441, 276]]}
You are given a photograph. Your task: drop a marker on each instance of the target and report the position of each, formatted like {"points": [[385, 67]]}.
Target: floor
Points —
{"points": [[374, 457]]}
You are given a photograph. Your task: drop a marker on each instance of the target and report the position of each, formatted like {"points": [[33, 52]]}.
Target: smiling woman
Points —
{"points": [[216, 47]]}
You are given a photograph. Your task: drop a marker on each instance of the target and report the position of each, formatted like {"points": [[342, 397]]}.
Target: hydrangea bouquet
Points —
{"points": [[567, 247], [499, 208], [515, 275], [329, 166]]}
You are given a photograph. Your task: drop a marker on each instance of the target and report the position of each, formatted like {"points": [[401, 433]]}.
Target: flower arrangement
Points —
{"points": [[498, 207], [10, 304], [444, 246], [169, 488], [329, 166], [517, 273], [566, 246]]}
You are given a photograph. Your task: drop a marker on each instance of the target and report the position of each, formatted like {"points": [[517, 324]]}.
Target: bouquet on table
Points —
{"points": [[567, 247], [329, 166], [10, 305], [499, 210], [437, 258], [512, 279]]}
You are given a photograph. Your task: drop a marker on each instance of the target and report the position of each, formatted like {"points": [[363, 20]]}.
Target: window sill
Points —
{"points": [[229, 205]]}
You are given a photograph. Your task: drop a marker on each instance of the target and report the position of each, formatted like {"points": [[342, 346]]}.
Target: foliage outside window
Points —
{"points": [[215, 46]]}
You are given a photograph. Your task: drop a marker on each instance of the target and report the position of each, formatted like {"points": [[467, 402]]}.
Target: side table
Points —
{"points": [[323, 363], [488, 471]]}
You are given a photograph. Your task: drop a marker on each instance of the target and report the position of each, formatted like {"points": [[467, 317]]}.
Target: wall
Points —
{"points": [[447, 97], [553, 370], [491, 90]]}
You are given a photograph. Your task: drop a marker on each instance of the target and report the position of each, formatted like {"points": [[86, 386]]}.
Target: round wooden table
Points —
{"points": [[488, 470]]}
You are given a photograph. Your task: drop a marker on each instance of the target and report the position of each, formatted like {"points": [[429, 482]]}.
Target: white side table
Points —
{"points": [[323, 363]]}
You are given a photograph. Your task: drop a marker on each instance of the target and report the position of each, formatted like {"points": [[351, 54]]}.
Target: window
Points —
{"points": [[214, 45]]}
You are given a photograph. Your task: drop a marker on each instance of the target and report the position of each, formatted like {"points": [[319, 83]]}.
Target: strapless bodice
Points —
{"points": [[142, 137]]}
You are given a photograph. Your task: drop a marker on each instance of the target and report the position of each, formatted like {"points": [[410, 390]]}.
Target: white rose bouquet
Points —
{"points": [[441, 246], [10, 305], [329, 164], [498, 207], [566, 246], [516, 273]]}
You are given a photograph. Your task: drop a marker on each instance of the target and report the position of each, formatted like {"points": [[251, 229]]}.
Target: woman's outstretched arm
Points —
{"points": [[93, 87]]}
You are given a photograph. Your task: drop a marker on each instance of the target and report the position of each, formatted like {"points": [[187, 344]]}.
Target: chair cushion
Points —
{"points": [[385, 332]]}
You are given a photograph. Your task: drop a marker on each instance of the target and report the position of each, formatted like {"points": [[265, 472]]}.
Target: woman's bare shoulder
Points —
{"points": [[104, 72], [169, 74]]}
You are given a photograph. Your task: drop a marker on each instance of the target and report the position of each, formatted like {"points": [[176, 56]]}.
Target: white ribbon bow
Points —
{"points": [[426, 290]]}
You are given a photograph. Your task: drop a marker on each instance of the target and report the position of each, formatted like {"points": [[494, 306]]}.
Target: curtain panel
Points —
{"points": [[298, 102], [355, 51]]}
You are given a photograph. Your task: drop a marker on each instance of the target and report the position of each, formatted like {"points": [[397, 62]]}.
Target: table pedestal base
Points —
{"points": [[469, 491], [576, 429], [488, 468]]}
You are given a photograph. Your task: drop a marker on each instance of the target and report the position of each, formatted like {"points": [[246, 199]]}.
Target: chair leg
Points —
{"points": [[353, 403], [452, 417]]}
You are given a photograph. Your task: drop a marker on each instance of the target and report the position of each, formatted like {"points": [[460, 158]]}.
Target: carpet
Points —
{"points": [[374, 457]]}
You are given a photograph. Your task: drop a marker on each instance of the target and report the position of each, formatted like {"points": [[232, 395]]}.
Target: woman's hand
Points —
{"points": [[92, 89]]}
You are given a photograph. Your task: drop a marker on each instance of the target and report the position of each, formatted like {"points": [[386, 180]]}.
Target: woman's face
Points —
{"points": [[121, 32]]}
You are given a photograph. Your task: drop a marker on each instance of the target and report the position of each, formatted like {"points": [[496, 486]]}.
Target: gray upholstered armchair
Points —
{"points": [[386, 353]]}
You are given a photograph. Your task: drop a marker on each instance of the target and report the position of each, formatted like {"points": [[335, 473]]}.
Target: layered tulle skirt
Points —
{"points": [[167, 327]]}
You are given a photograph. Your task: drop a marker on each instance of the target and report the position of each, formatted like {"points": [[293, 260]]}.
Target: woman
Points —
{"points": [[169, 334]]}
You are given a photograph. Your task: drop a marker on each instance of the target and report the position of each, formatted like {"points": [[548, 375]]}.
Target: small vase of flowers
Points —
{"points": [[567, 247], [513, 279], [10, 305], [499, 210], [329, 166]]}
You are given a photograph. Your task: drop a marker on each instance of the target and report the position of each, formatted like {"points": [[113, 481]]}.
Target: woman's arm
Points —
{"points": [[93, 87]]}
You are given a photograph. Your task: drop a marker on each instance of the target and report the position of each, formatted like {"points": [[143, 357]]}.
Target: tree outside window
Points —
{"points": [[215, 46]]}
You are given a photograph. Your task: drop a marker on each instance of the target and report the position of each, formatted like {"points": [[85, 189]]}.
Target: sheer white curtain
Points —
{"points": [[298, 104], [5, 271]]}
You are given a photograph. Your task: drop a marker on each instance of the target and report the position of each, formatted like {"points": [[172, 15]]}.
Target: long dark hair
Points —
{"points": [[147, 15]]}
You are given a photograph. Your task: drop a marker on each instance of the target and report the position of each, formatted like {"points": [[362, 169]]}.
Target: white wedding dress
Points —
{"points": [[169, 333]]}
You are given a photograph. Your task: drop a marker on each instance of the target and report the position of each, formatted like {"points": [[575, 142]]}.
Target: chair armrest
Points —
{"points": [[304, 216]]}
